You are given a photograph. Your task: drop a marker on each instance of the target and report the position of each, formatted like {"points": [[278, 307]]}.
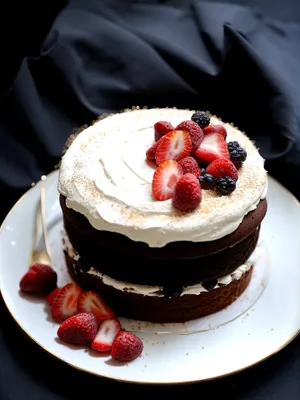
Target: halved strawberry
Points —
{"points": [[212, 147], [90, 301], [65, 303], [165, 178], [106, 335], [215, 128], [51, 296], [151, 152], [175, 145]]}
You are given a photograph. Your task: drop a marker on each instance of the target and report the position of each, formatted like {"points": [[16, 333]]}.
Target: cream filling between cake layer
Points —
{"points": [[104, 176], [157, 291]]}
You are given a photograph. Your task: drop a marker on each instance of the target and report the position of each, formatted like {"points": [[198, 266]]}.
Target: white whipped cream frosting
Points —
{"points": [[104, 176]]}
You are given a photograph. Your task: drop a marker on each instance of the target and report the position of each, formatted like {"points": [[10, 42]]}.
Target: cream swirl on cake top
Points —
{"points": [[105, 176]]}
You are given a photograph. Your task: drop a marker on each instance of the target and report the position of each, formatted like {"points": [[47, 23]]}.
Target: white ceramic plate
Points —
{"points": [[257, 326]]}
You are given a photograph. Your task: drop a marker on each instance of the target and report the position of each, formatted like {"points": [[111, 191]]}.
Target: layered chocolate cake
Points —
{"points": [[162, 211]]}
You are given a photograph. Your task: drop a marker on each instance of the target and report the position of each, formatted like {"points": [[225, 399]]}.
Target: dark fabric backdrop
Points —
{"points": [[64, 63]]}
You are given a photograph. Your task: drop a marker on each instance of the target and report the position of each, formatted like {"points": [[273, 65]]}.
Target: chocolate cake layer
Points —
{"points": [[147, 271], [160, 309], [181, 249]]}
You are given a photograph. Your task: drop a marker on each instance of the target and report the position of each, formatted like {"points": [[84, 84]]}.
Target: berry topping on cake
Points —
{"points": [[201, 118], [106, 334], [215, 128], [161, 128], [40, 279], [195, 132], [51, 296], [237, 153], [189, 164], [65, 303], [90, 301], [222, 167], [187, 194], [126, 346], [212, 147], [151, 152], [207, 181], [175, 145], [164, 180], [79, 329], [225, 185]]}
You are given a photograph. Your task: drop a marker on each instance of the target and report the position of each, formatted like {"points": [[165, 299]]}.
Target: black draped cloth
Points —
{"points": [[238, 59]]}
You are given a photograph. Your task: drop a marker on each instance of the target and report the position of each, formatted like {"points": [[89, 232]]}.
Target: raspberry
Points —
{"points": [[222, 167], [161, 128], [187, 194], [195, 132], [189, 164], [201, 118]]}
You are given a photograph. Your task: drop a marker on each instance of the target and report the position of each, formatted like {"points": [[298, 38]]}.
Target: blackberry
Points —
{"points": [[201, 119], [233, 145], [206, 181], [237, 153], [225, 185]]}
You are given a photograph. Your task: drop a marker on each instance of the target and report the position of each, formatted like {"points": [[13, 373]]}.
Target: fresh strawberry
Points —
{"points": [[187, 194], [215, 128], [189, 164], [213, 146], [195, 132], [51, 296], [174, 146], [164, 180], [222, 167], [126, 346], [161, 128], [79, 329], [151, 152], [65, 303], [106, 335], [90, 301], [40, 279]]}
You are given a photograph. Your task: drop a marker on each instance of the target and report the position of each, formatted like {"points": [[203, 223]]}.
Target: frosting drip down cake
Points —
{"points": [[162, 211]]}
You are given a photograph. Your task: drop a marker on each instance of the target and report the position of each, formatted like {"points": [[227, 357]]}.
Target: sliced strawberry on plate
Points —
{"points": [[213, 146], [79, 329], [91, 301], [165, 178], [40, 279], [106, 334], [51, 296], [65, 303], [174, 146], [222, 167], [126, 346]]}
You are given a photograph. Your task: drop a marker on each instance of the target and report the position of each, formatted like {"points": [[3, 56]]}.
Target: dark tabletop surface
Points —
{"points": [[65, 63]]}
